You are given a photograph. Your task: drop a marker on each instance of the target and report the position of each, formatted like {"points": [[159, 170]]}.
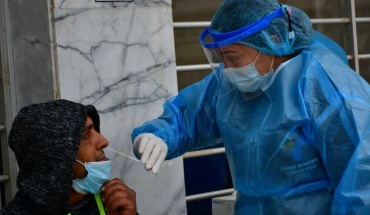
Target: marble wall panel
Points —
{"points": [[120, 57]]}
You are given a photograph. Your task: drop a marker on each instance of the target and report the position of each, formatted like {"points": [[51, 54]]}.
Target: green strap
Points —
{"points": [[99, 203]]}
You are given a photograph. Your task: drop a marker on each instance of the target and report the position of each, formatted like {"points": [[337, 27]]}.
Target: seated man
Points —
{"points": [[62, 166]]}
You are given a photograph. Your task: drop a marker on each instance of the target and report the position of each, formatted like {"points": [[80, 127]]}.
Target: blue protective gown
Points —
{"points": [[302, 146]]}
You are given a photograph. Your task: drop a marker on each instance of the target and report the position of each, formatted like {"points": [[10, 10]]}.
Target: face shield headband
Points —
{"points": [[216, 46], [210, 39]]}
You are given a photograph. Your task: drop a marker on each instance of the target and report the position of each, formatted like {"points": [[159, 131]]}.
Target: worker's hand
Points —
{"points": [[152, 151], [118, 199]]}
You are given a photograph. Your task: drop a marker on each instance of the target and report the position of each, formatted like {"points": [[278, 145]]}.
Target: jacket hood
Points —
{"points": [[45, 138]]}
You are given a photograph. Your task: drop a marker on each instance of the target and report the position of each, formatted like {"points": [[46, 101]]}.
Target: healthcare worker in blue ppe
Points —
{"points": [[294, 118]]}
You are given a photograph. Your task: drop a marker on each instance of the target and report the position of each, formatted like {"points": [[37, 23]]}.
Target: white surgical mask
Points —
{"points": [[98, 174], [247, 78]]}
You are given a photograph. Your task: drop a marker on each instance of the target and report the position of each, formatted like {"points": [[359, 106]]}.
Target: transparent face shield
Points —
{"points": [[217, 46]]}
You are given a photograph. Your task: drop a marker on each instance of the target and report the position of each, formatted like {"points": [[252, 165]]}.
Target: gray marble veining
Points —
{"points": [[121, 59], [118, 56]]}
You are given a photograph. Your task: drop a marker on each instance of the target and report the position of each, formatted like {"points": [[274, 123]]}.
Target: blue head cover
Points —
{"points": [[272, 40]]}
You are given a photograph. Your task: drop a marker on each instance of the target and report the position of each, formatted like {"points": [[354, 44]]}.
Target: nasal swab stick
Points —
{"points": [[121, 153]]}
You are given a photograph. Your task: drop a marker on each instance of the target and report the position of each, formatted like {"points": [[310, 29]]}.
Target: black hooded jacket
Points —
{"points": [[45, 139]]}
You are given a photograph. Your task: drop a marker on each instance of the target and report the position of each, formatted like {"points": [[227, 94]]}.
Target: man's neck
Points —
{"points": [[75, 197]]}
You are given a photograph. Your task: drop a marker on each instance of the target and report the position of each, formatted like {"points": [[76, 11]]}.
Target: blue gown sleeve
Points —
{"points": [[188, 121], [352, 195], [330, 44], [342, 131]]}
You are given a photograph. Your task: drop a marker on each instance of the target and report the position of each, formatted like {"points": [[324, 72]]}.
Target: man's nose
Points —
{"points": [[103, 141]]}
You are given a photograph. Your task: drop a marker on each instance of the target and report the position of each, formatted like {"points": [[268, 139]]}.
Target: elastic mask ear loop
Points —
{"points": [[80, 162], [255, 60], [273, 57]]}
